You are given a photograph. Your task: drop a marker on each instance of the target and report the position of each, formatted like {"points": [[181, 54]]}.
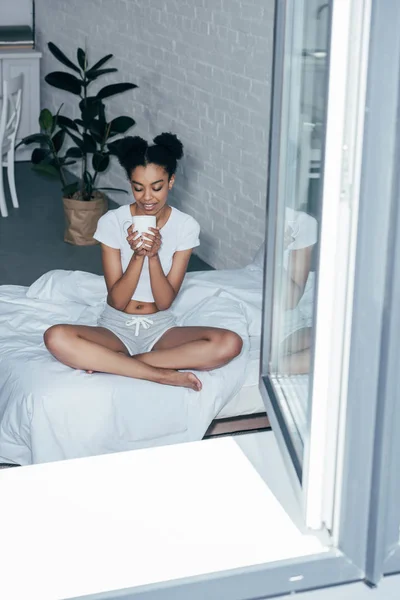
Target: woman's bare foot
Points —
{"points": [[181, 379], [176, 378]]}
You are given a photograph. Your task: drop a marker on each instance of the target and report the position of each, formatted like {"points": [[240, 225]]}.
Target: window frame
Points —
{"points": [[313, 475], [364, 453], [286, 425], [365, 524], [384, 556], [373, 352]]}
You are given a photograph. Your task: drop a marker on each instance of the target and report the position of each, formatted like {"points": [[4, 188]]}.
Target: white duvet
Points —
{"points": [[51, 412]]}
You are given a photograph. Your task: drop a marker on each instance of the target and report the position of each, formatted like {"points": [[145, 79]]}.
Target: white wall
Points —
{"points": [[203, 68], [16, 12]]}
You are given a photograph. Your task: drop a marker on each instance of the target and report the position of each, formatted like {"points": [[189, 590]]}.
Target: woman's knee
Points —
{"points": [[230, 345], [56, 336]]}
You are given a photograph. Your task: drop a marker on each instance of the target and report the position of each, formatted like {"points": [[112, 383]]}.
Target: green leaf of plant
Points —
{"points": [[100, 162], [115, 88], [64, 81], [89, 109], [46, 119], [55, 119], [38, 155], [47, 170], [61, 57], [121, 124], [98, 129], [81, 56], [74, 152], [87, 177], [112, 189], [58, 139], [35, 138], [78, 141], [65, 160], [100, 63], [85, 102], [102, 116], [113, 147], [96, 136], [71, 188], [88, 116], [88, 181], [67, 122], [89, 144], [79, 122], [98, 72]]}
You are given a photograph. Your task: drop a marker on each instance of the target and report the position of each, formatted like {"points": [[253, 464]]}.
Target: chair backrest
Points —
{"points": [[10, 109]]}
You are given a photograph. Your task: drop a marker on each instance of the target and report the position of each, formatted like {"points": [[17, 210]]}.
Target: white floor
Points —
{"points": [[89, 525]]}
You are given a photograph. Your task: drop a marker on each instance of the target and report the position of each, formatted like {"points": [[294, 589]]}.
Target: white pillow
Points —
{"points": [[239, 285], [61, 286], [257, 264], [252, 310], [217, 311]]}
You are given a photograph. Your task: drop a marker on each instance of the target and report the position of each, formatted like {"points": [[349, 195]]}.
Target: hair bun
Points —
{"points": [[129, 144], [171, 143]]}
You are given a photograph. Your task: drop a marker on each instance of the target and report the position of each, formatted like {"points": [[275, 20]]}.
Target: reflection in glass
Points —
{"points": [[304, 100]]}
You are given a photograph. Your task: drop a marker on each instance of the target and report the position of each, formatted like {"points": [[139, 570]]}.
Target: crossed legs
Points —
{"points": [[200, 348], [98, 349]]}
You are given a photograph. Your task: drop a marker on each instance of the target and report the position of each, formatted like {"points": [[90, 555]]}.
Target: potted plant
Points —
{"points": [[84, 202]]}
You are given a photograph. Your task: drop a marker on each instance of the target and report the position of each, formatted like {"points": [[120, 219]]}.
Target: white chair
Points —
{"points": [[9, 122]]}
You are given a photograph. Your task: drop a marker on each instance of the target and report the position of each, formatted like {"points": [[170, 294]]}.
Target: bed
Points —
{"points": [[51, 412]]}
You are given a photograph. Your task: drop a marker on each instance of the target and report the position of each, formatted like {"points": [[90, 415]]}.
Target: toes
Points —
{"points": [[196, 383]]}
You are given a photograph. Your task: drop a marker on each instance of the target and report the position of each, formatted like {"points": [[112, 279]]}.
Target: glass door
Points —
{"points": [[316, 143]]}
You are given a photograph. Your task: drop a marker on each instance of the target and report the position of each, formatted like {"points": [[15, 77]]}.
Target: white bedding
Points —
{"points": [[51, 412], [248, 400]]}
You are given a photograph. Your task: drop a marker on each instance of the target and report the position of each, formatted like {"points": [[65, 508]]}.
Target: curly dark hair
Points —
{"points": [[135, 152]]}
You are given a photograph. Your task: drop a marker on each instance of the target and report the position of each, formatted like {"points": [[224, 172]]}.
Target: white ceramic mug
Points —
{"points": [[141, 224]]}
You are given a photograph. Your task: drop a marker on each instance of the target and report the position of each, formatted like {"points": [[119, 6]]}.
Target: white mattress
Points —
{"points": [[248, 400], [51, 412]]}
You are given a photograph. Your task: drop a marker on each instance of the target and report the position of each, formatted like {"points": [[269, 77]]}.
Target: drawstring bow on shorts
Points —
{"points": [[139, 322]]}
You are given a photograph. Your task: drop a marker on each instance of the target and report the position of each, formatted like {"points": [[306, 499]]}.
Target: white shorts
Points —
{"points": [[138, 333]]}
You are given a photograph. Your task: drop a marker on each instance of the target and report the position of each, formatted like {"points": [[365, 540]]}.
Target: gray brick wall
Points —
{"points": [[203, 68]]}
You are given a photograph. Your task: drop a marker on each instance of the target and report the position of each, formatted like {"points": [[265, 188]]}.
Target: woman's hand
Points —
{"points": [[152, 242], [136, 242]]}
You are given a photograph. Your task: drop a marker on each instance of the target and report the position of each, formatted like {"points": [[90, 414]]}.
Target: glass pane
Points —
{"points": [[302, 139]]}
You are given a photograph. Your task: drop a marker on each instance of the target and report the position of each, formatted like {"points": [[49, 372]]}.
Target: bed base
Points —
{"points": [[220, 427], [238, 425]]}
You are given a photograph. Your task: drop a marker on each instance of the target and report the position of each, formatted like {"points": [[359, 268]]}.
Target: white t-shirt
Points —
{"points": [[304, 232], [303, 229], [180, 232]]}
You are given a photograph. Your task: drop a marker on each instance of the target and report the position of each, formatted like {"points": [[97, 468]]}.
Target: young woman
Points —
{"points": [[298, 297], [136, 334]]}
